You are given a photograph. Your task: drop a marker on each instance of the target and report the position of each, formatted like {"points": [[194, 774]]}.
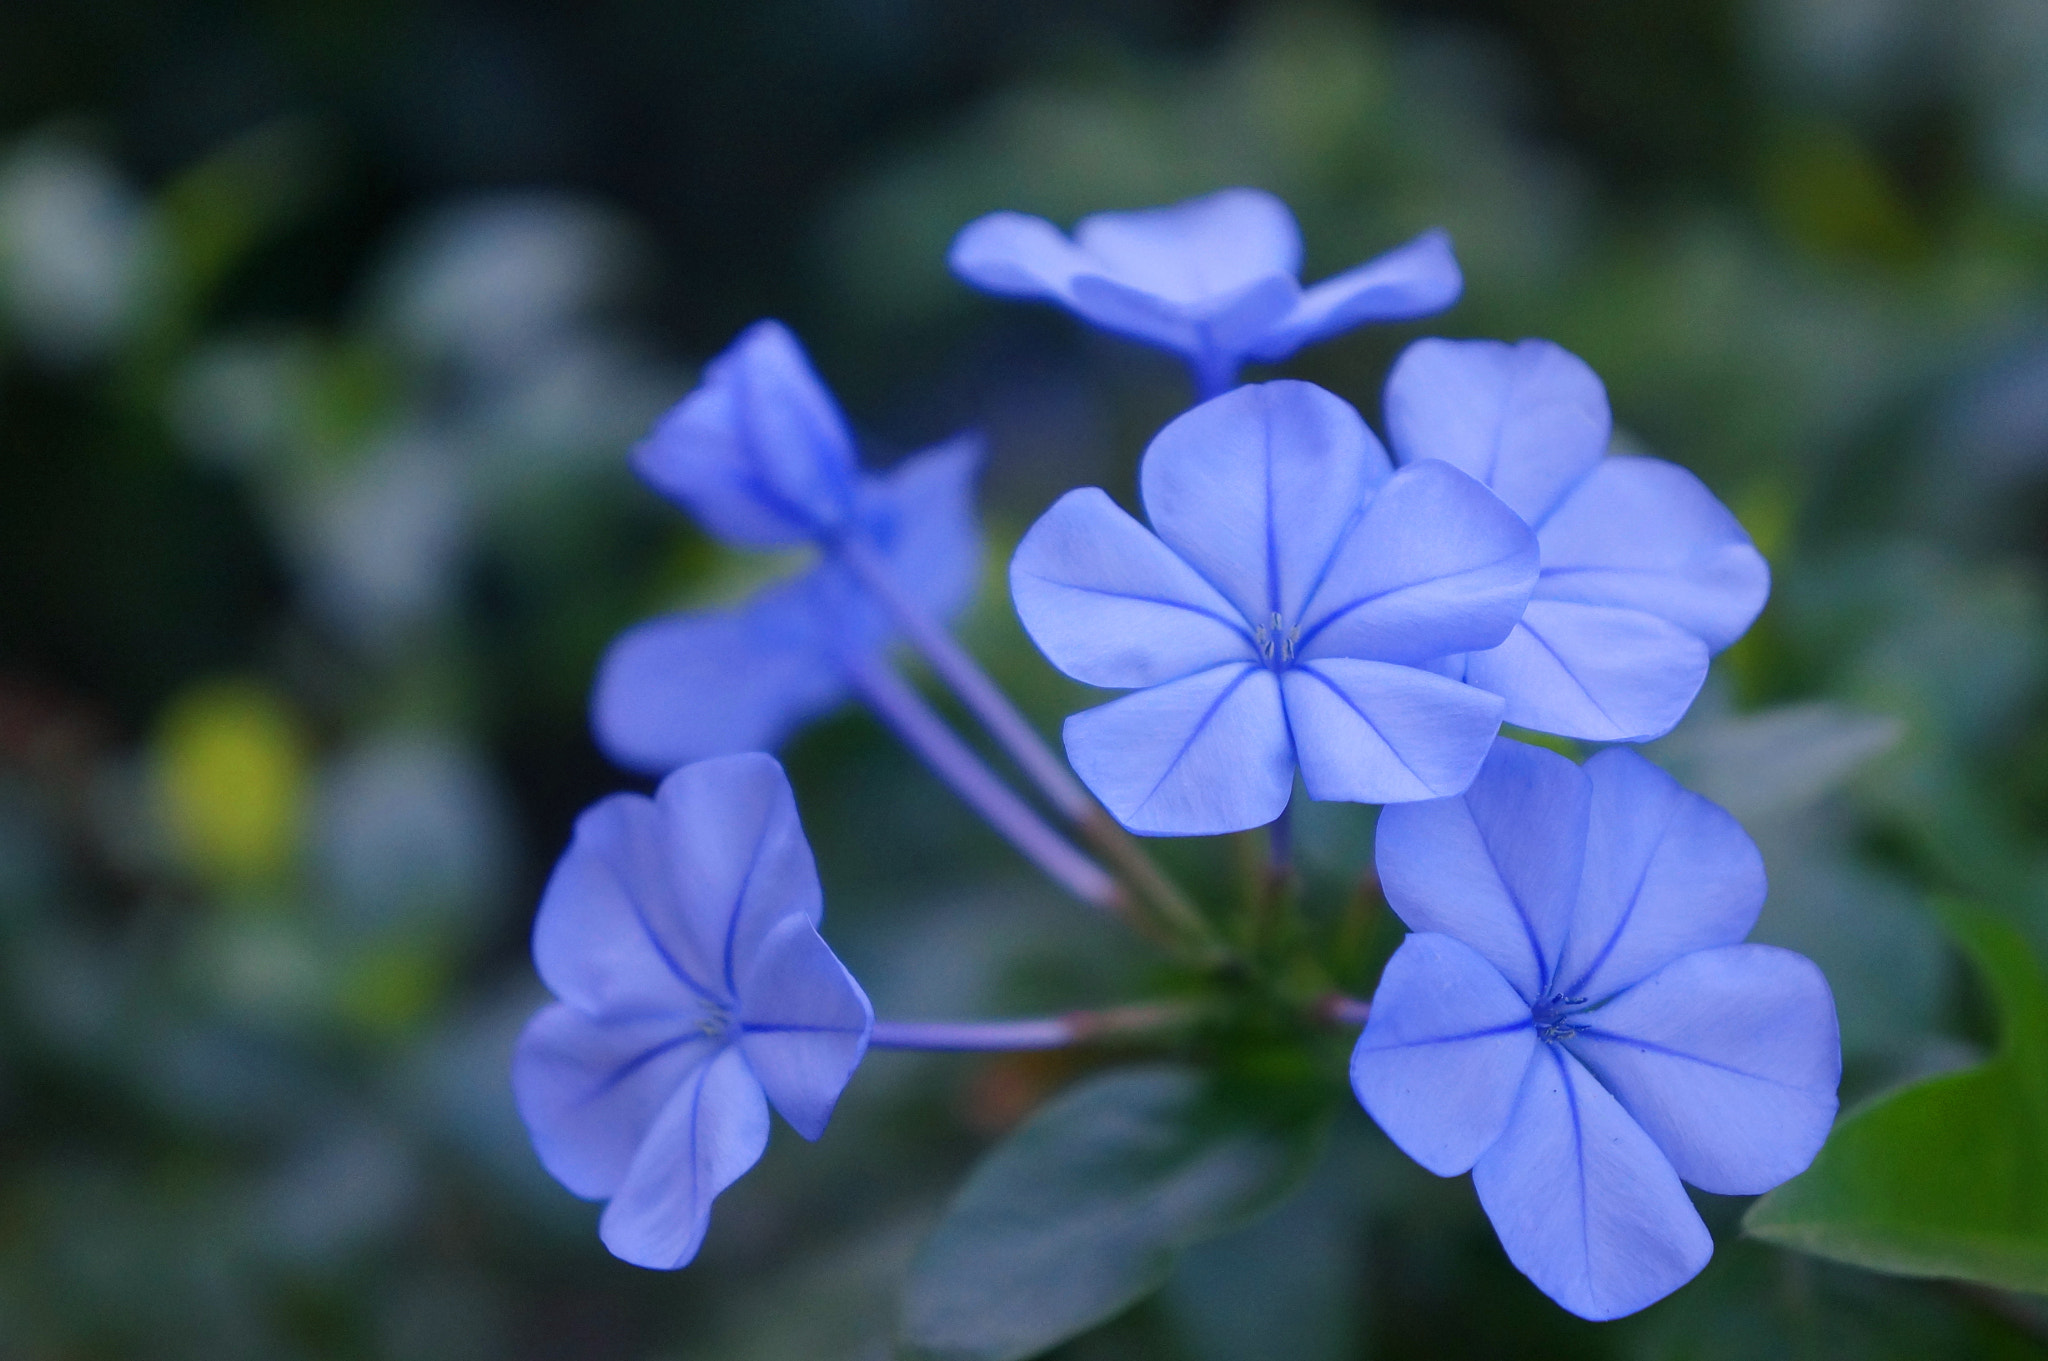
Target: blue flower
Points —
{"points": [[1285, 608], [680, 935], [1645, 574], [1576, 1021], [1215, 279], [760, 454]]}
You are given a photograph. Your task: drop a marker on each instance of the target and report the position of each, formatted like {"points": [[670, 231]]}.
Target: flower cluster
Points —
{"points": [[1575, 1018]]}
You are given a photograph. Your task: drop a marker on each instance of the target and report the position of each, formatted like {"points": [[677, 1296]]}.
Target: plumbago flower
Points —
{"points": [[680, 935], [1215, 279], [760, 453], [1645, 575], [1282, 611], [1576, 1022]]}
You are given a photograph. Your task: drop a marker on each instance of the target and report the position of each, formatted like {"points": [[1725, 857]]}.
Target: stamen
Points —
{"points": [[1275, 636]]}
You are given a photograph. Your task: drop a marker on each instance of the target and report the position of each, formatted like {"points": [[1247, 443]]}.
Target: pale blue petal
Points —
{"points": [[1202, 755], [1201, 249], [1498, 866], [1109, 604], [705, 683], [711, 1131], [1212, 332], [1016, 254], [1647, 535], [1373, 732], [739, 860], [1436, 565], [590, 1090], [920, 517], [1729, 1059], [1411, 280], [759, 452], [1528, 420], [609, 937], [1584, 1203], [1256, 488], [804, 1024], [1443, 1053], [1593, 672], [1666, 873]]}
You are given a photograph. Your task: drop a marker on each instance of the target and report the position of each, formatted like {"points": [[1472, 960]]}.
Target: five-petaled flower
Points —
{"points": [[760, 453], [680, 935], [1645, 574], [1286, 608], [1576, 1021], [1215, 279]]}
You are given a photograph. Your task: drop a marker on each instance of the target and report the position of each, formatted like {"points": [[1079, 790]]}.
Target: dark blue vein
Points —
{"points": [[1614, 1037], [1245, 673], [1635, 896], [633, 1065], [1310, 634], [1506, 1029], [739, 905], [1366, 719], [1236, 626]]}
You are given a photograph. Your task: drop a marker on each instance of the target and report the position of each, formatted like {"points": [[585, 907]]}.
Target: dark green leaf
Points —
{"points": [[1083, 1211], [1948, 1177]]}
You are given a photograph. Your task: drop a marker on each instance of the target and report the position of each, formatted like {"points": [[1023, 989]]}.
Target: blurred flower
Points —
{"points": [[761, 454], [1576, 1022], [1215, 279], [1645, 574], [1284, 608], [680, 934], [80, 257]]}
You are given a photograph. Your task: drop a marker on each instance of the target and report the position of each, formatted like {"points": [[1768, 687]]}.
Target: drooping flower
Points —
{"points": [[1284, 609], [679, 934], [1645, 574], [760, 454], [1215, 279], [1576, 1020]]}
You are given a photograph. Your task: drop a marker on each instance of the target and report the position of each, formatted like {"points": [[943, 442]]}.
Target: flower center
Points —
{"points": [[1553, 1017], [715, 1021], [1276, 639]]}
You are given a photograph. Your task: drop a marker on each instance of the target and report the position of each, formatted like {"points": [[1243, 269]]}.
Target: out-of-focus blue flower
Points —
{"points": [[1283, 609], [1645, 574], [680, 935], [1576, 1021], [760, 454], [1214, 279]]}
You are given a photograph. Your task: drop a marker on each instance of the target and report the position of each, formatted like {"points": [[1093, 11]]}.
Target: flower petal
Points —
{"points": [[1443, 1053], [1528, 420], [1496, 867], [759, 452], [1593, 672], [1211, 332], [1016, 254], [609, 937], [1644, 534], [1584, 1203], [1205, 754], [1436, 565], [1109, 604], [739, 860], [705, 683], [1373, 732], [1411, 280], [1255, 489], [804, 1024], [711, 1131], [1197, 250], [590, 1090], [1729, 1059], [1666, 873], [920, 517]]}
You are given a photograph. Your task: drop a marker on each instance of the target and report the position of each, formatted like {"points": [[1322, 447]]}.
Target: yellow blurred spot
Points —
{"points": [[231, 780], [1828, 193], [389, 987]]}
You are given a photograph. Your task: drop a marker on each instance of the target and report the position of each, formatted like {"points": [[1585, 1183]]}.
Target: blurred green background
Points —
{"points": [[324, 329]]}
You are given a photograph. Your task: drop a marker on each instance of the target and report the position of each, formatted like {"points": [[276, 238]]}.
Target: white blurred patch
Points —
{"points": [[383, 540], [80, 258]]}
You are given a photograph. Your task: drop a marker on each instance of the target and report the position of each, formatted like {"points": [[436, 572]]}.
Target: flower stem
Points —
{"points": [[1126, 859], [924, 732], [1045, 1032], [1337, 1009]]}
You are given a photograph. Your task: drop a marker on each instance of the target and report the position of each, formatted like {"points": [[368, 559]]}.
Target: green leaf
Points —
{"points": [[1948, 1177], [1083, 1211]]}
